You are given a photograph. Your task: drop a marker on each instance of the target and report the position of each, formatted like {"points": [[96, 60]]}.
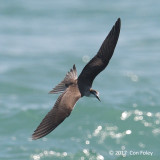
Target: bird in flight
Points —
{"points": [[72, 87]]}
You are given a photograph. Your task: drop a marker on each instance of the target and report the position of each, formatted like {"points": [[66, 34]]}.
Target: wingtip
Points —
{"points": [[117, 26], [119, 19], [118, 22], [33, 137], [36, 135]]}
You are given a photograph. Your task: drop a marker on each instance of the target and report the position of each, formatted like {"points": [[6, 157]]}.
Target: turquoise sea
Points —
{"points": [[39, 43]]}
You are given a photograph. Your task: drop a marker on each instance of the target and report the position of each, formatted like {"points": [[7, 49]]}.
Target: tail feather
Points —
{"points": [[69, 79]]}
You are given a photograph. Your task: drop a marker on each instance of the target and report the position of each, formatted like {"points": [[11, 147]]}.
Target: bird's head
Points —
{"points": [[94, 93]]}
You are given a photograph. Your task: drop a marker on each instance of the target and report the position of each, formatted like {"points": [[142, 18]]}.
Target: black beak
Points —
{"points": [[98, 98]]}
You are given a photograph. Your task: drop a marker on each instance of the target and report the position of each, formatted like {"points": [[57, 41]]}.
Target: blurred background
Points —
{"points": [[41, 40]]}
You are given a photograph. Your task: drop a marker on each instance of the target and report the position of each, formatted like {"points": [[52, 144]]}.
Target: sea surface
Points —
{"points": [[40, 41]]}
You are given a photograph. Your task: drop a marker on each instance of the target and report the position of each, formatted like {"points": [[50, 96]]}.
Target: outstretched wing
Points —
{"points": [[58, 113], [101, 59], [69, 79]]}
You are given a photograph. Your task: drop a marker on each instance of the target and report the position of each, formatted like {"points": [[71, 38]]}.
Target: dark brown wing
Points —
{"points": [[101, 59], [58, 114]]}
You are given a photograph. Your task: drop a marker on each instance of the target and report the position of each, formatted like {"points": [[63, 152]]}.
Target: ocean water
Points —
{"points": [[41, 40]]}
